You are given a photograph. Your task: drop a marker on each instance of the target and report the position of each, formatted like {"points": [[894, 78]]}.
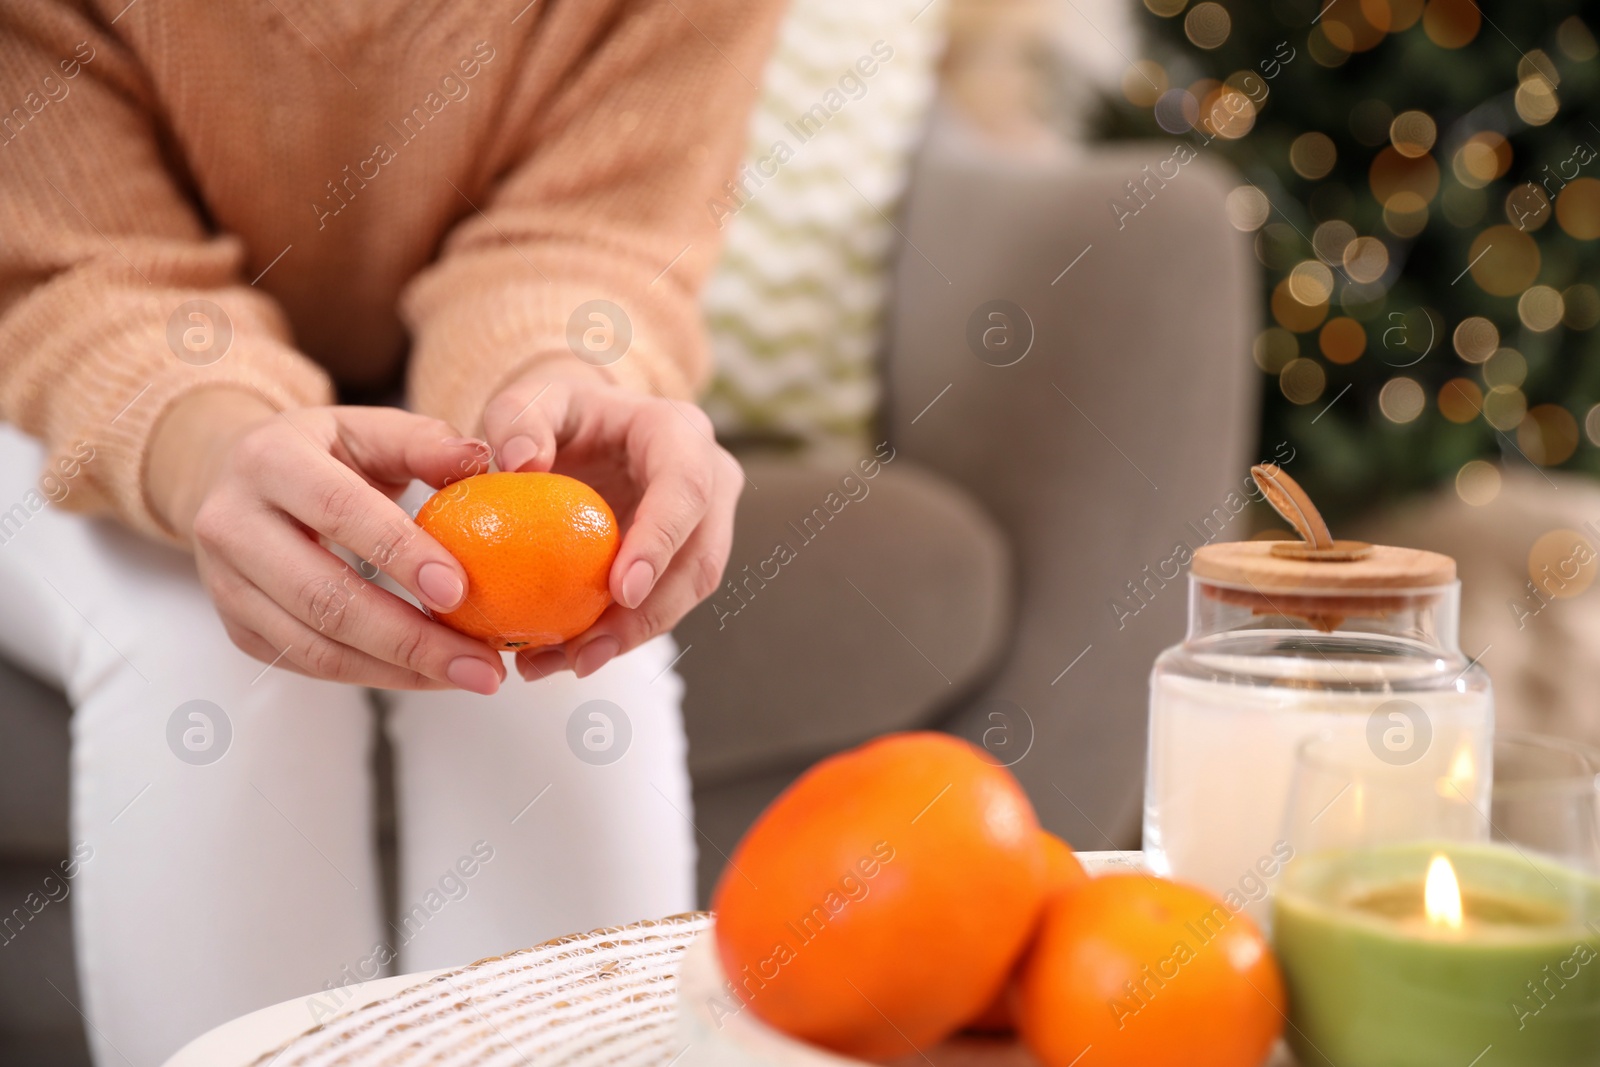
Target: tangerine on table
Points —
{"points": [[883, 898], [537, 549], [1063, 871], [1148, 972]]}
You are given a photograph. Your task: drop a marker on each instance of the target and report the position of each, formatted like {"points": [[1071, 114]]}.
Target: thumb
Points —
{"points": [[391, 447]]}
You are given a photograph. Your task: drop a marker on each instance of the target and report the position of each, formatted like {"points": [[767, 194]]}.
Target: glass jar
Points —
{"points": [[1280, 649]]}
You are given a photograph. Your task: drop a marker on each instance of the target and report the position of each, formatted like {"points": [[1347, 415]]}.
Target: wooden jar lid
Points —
{"points": [[1385, 568], [1317, 578]]}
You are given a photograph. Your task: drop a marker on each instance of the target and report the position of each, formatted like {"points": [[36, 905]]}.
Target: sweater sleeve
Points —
{"points": [[612, 201], [114, 299]]}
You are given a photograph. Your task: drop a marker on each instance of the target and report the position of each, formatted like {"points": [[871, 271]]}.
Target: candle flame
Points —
{"points": [[1442, 894]]}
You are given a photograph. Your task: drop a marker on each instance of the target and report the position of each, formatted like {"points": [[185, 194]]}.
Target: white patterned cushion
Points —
{"points": [[796, 304]]}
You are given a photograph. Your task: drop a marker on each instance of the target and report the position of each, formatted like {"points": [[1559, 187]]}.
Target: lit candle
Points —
{"points": [[1491, 958]]}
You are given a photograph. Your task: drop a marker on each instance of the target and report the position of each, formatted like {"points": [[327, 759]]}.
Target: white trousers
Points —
{"points": [[222, 812]]}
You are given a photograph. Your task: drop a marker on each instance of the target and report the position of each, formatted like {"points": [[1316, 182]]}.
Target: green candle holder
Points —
{"points": [[1412, 935]]}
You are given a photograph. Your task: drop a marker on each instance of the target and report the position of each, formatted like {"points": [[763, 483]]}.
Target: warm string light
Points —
{"points": [[1333, 286]]}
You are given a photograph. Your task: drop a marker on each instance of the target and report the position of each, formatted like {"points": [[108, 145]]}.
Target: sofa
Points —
{"points": [[1000, 574]]}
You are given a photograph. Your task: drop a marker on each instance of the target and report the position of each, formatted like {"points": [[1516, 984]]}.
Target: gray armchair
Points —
{"points": [[972, 590], [969, 588]]}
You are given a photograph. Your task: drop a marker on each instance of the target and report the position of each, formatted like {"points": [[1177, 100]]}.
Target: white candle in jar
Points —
{"points": [[1222, 757]]}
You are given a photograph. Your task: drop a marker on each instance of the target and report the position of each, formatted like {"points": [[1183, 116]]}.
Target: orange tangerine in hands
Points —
{"points": [[881, 901], [537, 549], [1147, 972]]}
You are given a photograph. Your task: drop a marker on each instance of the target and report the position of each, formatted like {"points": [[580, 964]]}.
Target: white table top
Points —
{"points": [[251, 1036]]}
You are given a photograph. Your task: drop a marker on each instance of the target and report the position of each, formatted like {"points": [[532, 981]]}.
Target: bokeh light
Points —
{"points": [[1279, 246], [1402, 14], [1392, 173], [1460, 400], [1451, 23], [1581, 307], [1506, 367], [1562, 563], [1247, 207], [1303, 381], [1527, 207], [1312, 155], [1578, 208], [1402, 399], [1405, 214], [1207, 25], [1144, 82], [1330, 239], [1504, 406], [1325, 52], [1176, 110], [1203, 88], [1536, 101], [1575, 39], [1476, 339], [1536, 63], [1412, 133], [1504, 260], [1478, 482], [1349, 28], [1275, 348], [1227, 112], [1548, 435], [1342, 340], [1395, 181], [1365, 259], [1540, 308], [1311, 283], [1481, 159], [1293, 315]]}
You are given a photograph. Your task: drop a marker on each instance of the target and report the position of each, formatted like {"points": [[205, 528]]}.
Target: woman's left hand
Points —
{"points": [[658, 465]]}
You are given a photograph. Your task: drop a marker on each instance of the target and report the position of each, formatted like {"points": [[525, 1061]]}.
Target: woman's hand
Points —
{"points": [[257, 492], [658, 465]]}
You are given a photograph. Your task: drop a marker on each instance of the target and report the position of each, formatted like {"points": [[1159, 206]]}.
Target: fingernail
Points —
{"points": [[636, 583], [473, 675], [518, 451], [595, 654], [542, 664], [441, 586], [466, 442]]}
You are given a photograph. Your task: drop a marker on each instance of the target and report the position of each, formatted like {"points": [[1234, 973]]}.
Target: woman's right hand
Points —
{"points": [[257, 493]]}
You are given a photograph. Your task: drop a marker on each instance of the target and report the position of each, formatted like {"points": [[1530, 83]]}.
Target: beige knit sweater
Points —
{"points": [[278, 195]]}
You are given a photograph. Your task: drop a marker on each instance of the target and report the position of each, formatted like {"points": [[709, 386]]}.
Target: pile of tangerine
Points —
{"points": [[903, 891]]}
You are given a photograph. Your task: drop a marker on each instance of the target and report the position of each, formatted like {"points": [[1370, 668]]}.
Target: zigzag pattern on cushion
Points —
{"points": [[795, 307]]}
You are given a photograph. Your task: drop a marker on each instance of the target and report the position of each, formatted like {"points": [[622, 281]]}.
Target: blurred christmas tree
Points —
{"points": [[1422, 181]]}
